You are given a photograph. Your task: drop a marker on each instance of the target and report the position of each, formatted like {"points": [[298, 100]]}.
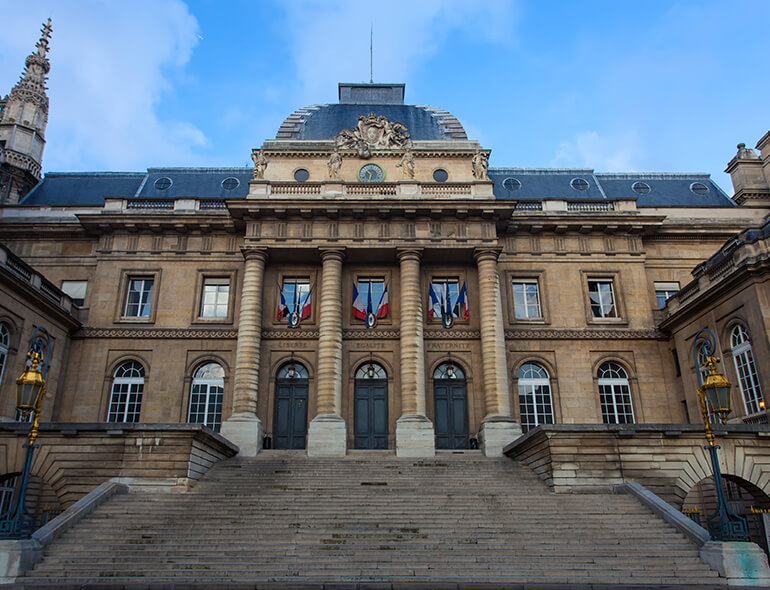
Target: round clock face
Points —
{"points": [[371, 173]]}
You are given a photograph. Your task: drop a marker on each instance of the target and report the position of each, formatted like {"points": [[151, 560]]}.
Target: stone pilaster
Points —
{"points": [[498, 427], [414, 432], [244, 427], [327, 436]]}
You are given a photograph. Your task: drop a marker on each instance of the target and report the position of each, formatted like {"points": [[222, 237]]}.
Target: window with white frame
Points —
{"points": [[445, 293], [615, 394], [526, 299], [601, 294], [535, 404], [126, 395], [138, 297], [663, 291], [76, 290], [206, 395], [743, 357], [5, 340], [295, 295], [215, 297]]}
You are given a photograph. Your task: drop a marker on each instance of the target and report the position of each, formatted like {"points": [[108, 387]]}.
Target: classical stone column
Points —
{"points": [[414, 432], [327, 436], [498, 427], [244, 427]]}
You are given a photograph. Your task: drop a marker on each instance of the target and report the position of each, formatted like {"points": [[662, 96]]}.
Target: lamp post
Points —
{"points": [[16, 522], [714, 394]]}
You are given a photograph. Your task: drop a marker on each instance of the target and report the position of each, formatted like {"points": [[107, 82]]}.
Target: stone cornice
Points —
{"points": [[371, 334], [171, 333], [452, 334], [583, 334], [290, 334]]}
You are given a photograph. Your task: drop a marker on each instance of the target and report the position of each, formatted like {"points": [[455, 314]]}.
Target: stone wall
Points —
{"points": [[75, 458], [668, 459]]}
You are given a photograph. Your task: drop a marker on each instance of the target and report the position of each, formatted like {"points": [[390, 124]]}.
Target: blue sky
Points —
{"points": [[614, 86]]}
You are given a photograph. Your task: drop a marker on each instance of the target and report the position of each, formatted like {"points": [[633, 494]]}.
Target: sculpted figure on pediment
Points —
{"points": [[260, 164], [371, 133], [480, 164]]}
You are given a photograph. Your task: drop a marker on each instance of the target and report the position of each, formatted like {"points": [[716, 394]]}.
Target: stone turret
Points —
{"points": [[23, 119], [750, 174]]}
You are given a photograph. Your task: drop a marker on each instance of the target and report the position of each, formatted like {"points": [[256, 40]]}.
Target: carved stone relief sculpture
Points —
{"points": [[334, 164], [480, 164], [260, 164], [373, 132], [407, 164]]}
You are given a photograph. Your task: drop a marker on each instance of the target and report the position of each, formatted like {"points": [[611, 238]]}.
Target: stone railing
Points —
{"points": [[667, 459], [24, 272], [75, 458]]}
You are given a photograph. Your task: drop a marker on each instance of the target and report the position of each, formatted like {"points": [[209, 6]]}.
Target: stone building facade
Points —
{"points": [[371, 283]]}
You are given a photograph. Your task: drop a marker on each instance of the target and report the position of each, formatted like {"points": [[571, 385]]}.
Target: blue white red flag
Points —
{"points": [[434, 301], [382, 306], [461, 307], [359, 309], [304, 310], [283, 309]]}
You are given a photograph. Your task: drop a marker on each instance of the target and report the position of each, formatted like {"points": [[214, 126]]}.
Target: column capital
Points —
{"points": [[332, 253], [487, 253], [254, 252], [409, 254]]}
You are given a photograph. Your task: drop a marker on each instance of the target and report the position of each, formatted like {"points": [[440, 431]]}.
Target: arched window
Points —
{"points": [[292, 371], [703, 369], [746, 369], [615, 394], [535, 403], [5, 339], [371, 371], [127, 389], [206, 396], [448, 371]]}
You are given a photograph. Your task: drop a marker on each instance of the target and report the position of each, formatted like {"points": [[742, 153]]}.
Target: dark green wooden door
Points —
{"points": [[290, 420], [371, 414], [451, 413]]}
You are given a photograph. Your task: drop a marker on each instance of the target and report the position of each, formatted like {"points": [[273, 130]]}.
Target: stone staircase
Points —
{"points": [[374, 520]]}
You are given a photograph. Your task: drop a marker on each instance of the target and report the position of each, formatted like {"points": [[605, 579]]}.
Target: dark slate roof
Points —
{"points": [[90, 188], [83, 188], [665, 190], [539, 184], [204, 183], [325, 121]]}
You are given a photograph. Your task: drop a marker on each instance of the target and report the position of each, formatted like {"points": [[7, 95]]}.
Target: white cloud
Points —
{"points": [[602, 153], [330, 40], [111, 64]]}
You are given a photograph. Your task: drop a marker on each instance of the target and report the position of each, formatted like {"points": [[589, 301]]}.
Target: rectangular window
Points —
{"points": [[295, 294], [215, 298], [663, 291], [138, 298], [526, 299], [602, 297], [76, 290], [445, 293], [375, 286]]}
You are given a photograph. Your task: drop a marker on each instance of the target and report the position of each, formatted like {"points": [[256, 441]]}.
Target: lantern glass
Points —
{"points": [[28, 389]]}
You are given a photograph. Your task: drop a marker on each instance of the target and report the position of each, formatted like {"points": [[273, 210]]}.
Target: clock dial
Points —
{"points": [[371, 173]]}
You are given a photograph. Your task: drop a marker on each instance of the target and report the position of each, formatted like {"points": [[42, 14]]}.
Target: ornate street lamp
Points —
{"points": [[714, 395], [16, 522]]}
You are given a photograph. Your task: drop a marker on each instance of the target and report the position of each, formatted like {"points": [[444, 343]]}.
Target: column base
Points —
{"points": [[743, 564], [245, 430], [497, 432], [327, 436], [415, 437]]}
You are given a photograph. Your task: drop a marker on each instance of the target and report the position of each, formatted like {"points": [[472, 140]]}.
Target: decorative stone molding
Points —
{"points": [[584, 334], [89, 332], [452, 334], [371, 334], [289, 334]]}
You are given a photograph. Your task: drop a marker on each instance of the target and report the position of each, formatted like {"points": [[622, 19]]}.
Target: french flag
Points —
{"points": [[434, 300], [305, 308], [382, 307], [461, 307], [283, 309], [359, 309]]}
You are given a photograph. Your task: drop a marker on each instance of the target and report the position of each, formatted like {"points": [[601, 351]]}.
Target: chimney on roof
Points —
{"points": [[750, 182]]}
